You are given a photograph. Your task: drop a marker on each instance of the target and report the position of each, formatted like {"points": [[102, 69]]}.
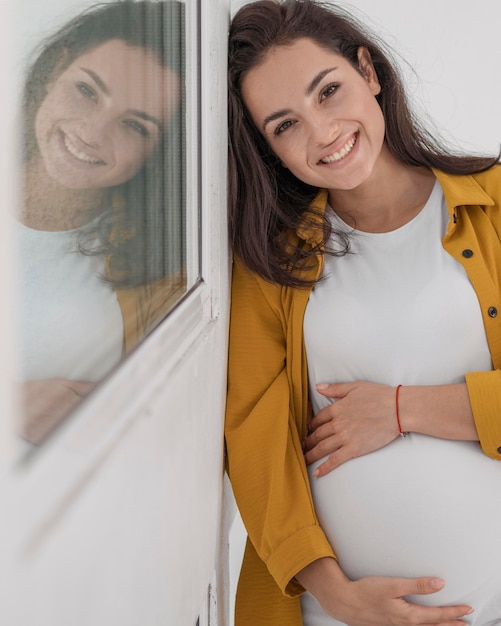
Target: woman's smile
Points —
{"points": [[341, 154], [79, 153]]}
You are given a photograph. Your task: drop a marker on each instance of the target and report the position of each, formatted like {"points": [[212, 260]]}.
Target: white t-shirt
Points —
{"points": [[69, 320], [401, 310]]}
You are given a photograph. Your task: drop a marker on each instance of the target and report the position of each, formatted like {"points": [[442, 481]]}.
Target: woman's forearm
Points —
{"points": [[438, 410], [364, 418], [320, 576], [375, 601]]}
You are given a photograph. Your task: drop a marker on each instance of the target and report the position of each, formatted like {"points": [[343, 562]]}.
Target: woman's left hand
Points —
{"points": [[361, 420]]}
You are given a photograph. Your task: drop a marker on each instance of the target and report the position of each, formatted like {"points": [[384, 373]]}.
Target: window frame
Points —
{"points": [[87, 435]]}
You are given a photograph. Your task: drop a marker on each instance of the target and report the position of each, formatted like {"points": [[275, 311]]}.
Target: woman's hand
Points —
{"points": [[376, 601], [362, 419], [45, 403]]}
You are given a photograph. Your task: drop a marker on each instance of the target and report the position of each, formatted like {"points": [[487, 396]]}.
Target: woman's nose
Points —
{"points": [[323, 128], [94, 129]]}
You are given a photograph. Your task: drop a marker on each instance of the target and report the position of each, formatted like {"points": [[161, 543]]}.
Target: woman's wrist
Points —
{"points": [[401, 431], [438, 410]]}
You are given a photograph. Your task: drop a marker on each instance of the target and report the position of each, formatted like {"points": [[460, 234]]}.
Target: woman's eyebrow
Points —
{"points": [[308, 91], [147, 117], [314, 83], [99, 82], [275, 116]]}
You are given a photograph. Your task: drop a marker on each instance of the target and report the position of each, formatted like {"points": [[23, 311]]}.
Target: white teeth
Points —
{"points": [[341, 154], [81, 156]]}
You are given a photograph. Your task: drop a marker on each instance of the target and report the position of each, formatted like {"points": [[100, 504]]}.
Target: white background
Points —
{"points": [[117, 521]]}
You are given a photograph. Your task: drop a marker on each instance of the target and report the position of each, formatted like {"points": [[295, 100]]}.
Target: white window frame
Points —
{"points": [[33, 487]]}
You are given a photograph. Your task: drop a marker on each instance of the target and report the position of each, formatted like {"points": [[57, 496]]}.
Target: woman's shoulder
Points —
{"points": [[245, 278], [490, 181], [483, 188], [249, 290]]}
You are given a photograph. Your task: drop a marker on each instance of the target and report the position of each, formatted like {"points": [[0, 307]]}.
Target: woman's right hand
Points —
{"points": [[376, 600], [45, 403]]}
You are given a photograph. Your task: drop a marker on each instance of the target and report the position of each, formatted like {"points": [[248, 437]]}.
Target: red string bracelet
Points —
{"points": [[402, 434]]}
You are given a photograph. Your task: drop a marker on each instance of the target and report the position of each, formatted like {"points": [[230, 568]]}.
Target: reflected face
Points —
{"points": [[104, 115], [318, 113]]}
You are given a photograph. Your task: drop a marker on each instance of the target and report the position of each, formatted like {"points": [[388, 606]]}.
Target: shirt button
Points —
{"points": [[467, 253], [492, 311]]}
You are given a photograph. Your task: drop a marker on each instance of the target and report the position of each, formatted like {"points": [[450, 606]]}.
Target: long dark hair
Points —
{"points": [[266, 201], [143, 230]]}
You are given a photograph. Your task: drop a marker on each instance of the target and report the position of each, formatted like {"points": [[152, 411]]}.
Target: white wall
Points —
{"points": [[9, 193]]}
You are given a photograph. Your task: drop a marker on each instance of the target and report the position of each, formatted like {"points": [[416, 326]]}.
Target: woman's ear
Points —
{"points": [[367, 70]]}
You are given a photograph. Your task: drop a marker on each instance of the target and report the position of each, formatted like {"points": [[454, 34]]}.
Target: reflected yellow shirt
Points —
{"points": [[267, 402], [144, 306]]}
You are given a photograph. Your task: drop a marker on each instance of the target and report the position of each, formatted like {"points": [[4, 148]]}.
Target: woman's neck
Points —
{"points": [[52, 207], [393, 195]]}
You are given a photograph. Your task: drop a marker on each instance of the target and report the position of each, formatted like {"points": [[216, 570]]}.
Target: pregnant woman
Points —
{"points": [[366, 287]]}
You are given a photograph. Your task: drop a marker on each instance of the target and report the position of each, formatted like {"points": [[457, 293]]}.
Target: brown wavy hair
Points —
{"points": [[266, 201]]}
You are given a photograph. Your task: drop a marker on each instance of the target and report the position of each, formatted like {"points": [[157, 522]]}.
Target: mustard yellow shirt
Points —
{"points": [[142, 306], [267, 403]]}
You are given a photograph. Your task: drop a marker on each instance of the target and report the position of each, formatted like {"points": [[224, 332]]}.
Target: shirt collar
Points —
{"points": [[459, 190]]}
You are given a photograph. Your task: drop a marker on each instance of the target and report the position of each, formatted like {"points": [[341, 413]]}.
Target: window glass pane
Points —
{"points": [[100, 232]]}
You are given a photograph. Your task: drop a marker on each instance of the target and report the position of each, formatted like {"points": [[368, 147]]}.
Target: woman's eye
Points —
{"points": [[87, 91], [283, 126], [328, 91], [138, 127]]}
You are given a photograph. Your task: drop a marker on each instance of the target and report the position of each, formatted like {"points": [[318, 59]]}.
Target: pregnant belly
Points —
{"points": [[421, 506]]}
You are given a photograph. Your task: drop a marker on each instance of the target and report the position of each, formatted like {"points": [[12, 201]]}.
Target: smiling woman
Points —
{"points": [[338, 91], [101, 120], [363, 422], [99, 232]]}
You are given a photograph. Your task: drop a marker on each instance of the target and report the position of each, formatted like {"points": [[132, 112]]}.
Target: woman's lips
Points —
{"points": [[76, 152], [334, 157]]}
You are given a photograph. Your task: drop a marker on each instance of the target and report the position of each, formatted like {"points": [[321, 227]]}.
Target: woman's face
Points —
{"points": [[318, 113], [104, 115]]}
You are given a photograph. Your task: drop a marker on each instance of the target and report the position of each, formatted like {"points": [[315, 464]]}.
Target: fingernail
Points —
{"points": [[322, 386], [437, 583], [469, 611], [316, 473]]}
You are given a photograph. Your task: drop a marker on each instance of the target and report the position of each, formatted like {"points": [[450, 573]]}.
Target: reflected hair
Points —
{"points": [[266, 201], [142, 232]]}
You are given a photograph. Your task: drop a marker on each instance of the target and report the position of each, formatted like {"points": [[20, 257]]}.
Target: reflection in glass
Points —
{"points": [[100, 231]]}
